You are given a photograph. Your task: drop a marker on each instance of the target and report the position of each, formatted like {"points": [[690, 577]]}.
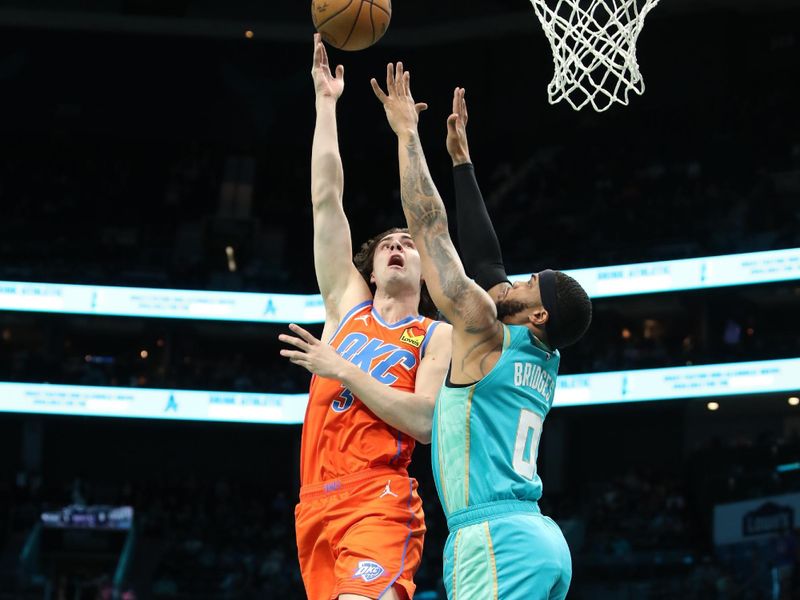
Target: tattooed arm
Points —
{"points": [[477, 334]]}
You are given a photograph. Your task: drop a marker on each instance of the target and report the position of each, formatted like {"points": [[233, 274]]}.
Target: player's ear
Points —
{"points": [[539, 317], [372, 277]]}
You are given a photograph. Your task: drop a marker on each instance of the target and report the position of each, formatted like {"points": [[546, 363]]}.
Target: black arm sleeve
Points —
{"points": [[478, 244]]}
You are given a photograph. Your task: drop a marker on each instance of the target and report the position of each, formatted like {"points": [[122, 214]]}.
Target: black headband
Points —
{"points": [[547, 287]]}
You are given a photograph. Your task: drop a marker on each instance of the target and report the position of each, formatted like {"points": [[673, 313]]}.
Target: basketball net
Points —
{"points": [[594, 49]]}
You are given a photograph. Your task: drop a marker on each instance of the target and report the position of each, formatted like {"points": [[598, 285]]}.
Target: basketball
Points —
{"points": [[351, 24]]}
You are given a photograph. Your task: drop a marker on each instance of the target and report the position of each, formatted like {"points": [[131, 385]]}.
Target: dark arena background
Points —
{"points": [[158, 146]]}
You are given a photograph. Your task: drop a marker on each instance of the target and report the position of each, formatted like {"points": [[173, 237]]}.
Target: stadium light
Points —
{"points": [[705, 381], [601, 282]]}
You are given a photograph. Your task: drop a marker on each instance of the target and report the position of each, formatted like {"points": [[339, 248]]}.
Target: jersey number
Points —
{"points": [[526, 446], [343, 401]]}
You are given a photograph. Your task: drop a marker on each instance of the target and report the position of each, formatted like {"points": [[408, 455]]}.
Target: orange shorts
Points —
{"points": [[360, 534]]}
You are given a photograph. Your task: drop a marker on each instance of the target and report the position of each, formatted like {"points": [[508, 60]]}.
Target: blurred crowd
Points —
{"points": [[165, 219], [143, 207], [93, 208], [106, 185], [726, 325], [646, 531], [224, 539], [638, 513]]}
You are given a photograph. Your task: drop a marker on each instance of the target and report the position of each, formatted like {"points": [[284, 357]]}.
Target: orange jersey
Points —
{"points": [[340, 434]]}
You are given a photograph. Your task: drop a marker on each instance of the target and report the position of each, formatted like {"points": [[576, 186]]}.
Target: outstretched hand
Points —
{"points": [[401, 110], [457, 144], [326, 85], [312, 354]]}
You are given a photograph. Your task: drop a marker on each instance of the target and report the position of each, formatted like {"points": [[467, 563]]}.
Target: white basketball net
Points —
{"points": [[594, 49]]}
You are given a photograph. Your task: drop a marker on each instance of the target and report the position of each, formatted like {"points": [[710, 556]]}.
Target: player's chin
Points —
{"points": [[402, 277], [410, 276]]}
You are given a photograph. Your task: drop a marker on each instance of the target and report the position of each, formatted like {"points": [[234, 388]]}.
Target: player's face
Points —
{"points": [[396, 261], [519, 299]]}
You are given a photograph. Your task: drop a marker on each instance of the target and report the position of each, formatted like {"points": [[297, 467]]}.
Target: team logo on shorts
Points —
{"points": [[413, 336], [368, 570]]}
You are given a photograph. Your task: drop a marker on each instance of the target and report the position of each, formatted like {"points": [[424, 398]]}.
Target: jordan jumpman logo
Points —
{"points": [[387, 491]]}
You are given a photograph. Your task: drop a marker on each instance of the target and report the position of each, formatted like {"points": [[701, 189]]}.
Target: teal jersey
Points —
{"points": [[486, 435]]}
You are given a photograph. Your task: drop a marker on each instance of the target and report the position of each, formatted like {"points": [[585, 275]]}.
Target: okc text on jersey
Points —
{"points": [[375, 356]]}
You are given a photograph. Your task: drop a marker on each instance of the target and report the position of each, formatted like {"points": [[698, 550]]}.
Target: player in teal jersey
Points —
{"points": [[489, 414]]}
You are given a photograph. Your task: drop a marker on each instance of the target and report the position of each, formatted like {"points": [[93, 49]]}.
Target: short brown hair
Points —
{"points": [[363, 260]]}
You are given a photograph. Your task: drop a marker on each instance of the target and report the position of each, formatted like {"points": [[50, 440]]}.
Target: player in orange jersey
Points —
{"points": [[377, 370]]}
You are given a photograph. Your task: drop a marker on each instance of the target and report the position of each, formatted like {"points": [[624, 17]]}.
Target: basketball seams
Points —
{"points": [[372, 20], [352, 26], [336, 14], [355, 22], [379, 7]]}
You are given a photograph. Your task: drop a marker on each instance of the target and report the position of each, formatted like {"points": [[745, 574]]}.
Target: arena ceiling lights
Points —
{"points": [[599, 282], [705, 381]]}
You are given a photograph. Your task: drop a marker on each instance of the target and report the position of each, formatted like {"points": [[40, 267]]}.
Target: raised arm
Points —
{"points": [[477, 333], [340, 283], [478, 243]]}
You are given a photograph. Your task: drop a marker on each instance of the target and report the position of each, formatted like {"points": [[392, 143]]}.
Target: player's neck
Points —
{"points": [[396, 307]]}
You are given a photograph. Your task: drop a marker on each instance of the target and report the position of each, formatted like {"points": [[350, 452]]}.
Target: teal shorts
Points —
{"points": [[505, 550]]}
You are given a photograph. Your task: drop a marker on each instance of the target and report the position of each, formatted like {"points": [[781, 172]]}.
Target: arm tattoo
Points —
{"points": [[418, 193], [427, 220]]}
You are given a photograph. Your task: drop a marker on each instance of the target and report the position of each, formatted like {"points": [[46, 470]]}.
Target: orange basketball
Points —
{"points": [[351, 24]]}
